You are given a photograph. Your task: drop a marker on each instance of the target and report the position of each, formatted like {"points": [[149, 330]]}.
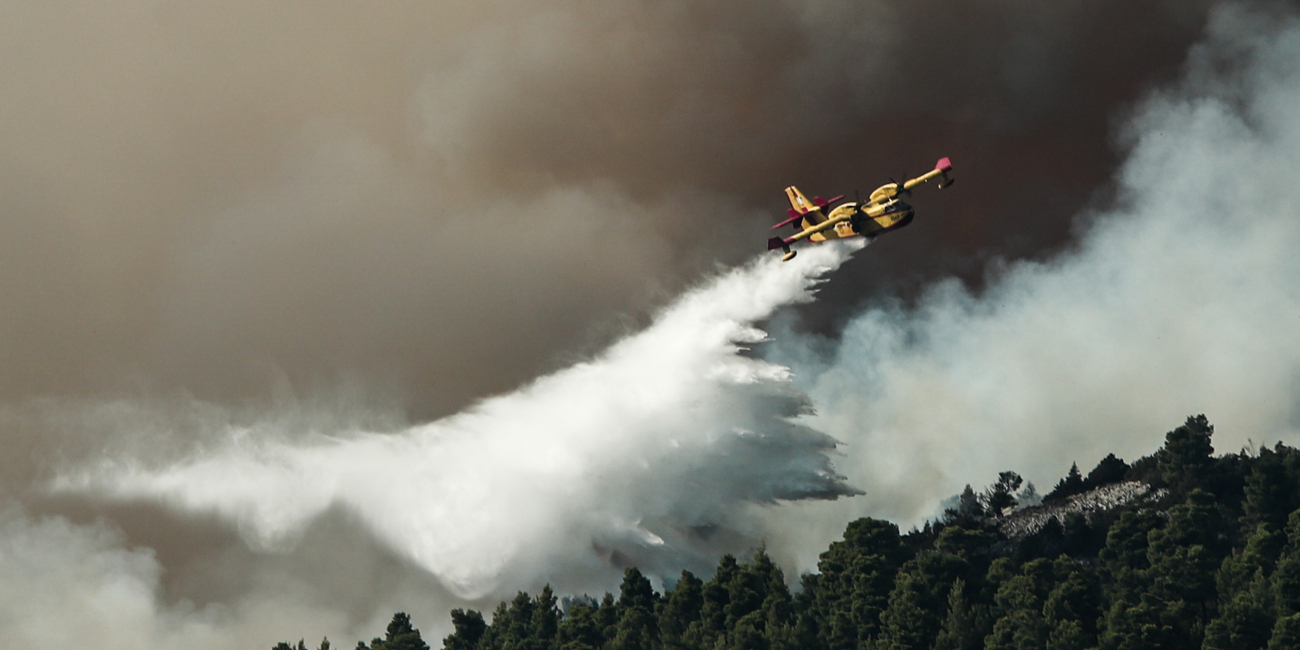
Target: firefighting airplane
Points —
{"points": [[879, 214]]}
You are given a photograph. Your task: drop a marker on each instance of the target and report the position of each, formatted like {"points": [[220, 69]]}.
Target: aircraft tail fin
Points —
{"points": [[943, 167], [798, 202], [801, 206]]}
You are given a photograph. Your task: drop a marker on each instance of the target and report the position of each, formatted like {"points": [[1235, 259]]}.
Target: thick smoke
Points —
{"points": [[439, 202], [292, 223], [1182, 299], [68, 585]]}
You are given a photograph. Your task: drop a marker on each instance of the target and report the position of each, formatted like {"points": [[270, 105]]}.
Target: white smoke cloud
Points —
{"points": [[1183, 299], [69, 585], [645, 453]]}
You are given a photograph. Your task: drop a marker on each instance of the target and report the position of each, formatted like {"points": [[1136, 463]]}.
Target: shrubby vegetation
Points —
{"points": [[1212, 564]]}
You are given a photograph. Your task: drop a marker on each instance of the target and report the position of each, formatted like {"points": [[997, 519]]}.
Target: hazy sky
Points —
{"points": [[441, 200], [301, 302]]}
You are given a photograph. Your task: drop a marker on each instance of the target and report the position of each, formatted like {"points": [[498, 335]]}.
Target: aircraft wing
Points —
{"points": [[941, 170]]}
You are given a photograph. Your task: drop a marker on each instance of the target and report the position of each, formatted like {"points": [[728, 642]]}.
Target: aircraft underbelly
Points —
{"points": [[841, 230], [887, 222]]}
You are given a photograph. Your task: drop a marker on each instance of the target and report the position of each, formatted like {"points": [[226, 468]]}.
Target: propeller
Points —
{"points": [[899, 189], [855, 218]]}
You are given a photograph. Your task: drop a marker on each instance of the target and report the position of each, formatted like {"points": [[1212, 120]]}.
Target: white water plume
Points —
{"points": [[643, 454]]}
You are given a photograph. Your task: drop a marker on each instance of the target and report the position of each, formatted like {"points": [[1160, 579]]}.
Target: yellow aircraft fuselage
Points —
{"points": [[881, 213], [875, 219]]}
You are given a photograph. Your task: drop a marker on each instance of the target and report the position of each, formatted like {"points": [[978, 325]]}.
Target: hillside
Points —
{"points": [[1179, 550]]}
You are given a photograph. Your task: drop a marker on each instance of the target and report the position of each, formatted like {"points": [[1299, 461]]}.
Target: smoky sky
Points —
{"points": [[438, 202], [238, 226]]}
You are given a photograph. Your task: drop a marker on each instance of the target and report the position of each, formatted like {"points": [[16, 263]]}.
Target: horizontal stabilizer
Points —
{"points": [[794, 216], [776, 242]]}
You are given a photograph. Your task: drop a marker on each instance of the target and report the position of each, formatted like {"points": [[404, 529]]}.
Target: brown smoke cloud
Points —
{"points": [[441, 201], [384, 211]]}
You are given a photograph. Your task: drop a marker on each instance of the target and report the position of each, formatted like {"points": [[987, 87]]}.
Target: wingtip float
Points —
{"points": [[820, 219]]}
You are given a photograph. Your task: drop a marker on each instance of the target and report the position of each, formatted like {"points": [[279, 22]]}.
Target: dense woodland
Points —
{"points": [[1212, 562]]}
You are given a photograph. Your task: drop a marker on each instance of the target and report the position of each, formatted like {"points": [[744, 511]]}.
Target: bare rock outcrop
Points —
{"points": [[1027, 520]]}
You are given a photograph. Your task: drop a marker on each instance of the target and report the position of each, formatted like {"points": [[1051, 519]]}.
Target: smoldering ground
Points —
{"points": [[226, 222]]}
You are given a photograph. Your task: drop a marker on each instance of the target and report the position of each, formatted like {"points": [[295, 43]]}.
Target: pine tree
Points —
{"points": [[747, 633], [857, 575], [1073, 606], [511, 624], [1070, 485], [969, 510], [401, 635], [607, 616], [1256, 560], [680, 608], [580, 629], [746, 591], [1069, 635], [1001, 495], [1286, 633], [468, 629], [1286, 573], [776, 610], [960, 629], [1184, 556], [1125, 552], [912, 618], [637, 629], [1129, 625], [1244, 623], [1270, 490], [1019, 602], [1109, 470], [1188, 454], [906, 623], [969, 544], [1132, 619], [712, 623], [544, 626]]}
